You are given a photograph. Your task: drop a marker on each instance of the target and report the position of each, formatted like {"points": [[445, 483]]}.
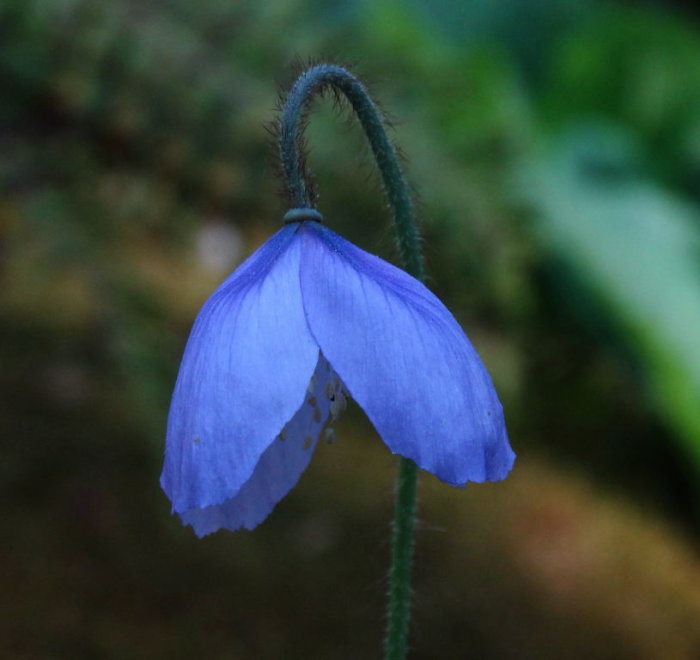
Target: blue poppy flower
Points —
{"points": [[307, 321]]}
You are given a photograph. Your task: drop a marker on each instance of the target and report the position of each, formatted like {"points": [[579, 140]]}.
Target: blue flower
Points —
{"points": [[307, 321]]}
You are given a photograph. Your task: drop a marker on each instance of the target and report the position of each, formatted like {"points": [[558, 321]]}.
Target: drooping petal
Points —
{"points": [[244, 375], [404, 359], [278, 469]]}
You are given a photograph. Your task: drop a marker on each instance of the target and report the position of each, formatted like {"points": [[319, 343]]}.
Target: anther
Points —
{"points": [[317, 415], [329, 390], [307, 442], [283, 435], [335, 409], [330, 436]]}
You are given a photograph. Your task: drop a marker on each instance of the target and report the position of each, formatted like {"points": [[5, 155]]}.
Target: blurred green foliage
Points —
{"points": [[556, 153]]}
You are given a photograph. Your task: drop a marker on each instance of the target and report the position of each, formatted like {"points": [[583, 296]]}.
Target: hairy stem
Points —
{"points": [[311, 83]]}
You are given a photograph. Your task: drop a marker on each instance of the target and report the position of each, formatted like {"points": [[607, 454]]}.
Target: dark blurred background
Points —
{"points": [[555, 148]]}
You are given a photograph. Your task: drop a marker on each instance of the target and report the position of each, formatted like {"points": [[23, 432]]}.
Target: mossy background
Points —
{"points": [[555, 147]]}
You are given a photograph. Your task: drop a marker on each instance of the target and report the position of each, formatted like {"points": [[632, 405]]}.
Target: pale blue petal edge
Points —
{"points": [[243, 376], [278, 469], [405, 360]]}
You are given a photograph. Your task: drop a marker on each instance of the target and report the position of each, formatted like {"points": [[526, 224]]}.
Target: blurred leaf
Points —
{"points": [[527, 29], [602, 68], [636, 246], [639, 69]]}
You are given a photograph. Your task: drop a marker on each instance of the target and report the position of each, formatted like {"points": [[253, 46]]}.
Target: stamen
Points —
{"points": [[283, 434], [335, 409], [312, 385], [330, 436], [312, 401], [341, 400], [329, 390], [317, 415], [307, 442]]}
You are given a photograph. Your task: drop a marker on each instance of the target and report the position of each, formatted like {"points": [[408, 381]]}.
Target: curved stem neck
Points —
{"points": [[315, 81]]}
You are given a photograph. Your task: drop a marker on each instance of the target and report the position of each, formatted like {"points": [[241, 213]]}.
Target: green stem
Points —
{"points": [[301, 195], [312, 82], [398, 605]]}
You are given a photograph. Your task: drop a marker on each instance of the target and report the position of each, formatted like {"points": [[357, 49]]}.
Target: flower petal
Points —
{"points": [[244, 375], [405, 360], [278, 469]]}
